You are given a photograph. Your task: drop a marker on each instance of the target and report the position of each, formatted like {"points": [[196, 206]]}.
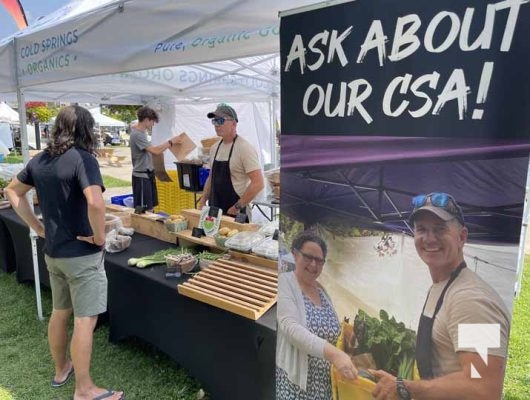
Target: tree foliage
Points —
{"points": [[125, 113], [39, 111]]}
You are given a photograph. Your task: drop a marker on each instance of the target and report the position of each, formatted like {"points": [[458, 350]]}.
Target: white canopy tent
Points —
{"points": [[103, 120], [7, 114], [89, 38]]}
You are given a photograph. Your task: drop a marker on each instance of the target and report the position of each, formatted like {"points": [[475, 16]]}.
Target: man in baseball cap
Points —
{"points": [[458, 296], [236, 176], [443, 205], [224, 111]]}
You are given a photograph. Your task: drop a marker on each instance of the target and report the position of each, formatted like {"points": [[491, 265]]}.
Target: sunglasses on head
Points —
{"points": [[440, 200], [220, 120]]}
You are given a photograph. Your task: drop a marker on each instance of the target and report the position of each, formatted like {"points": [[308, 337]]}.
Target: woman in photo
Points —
{"points": [[308, 327]]}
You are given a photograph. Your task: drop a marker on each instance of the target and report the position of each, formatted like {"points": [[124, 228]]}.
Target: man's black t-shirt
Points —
{"points": [[60, 182]]}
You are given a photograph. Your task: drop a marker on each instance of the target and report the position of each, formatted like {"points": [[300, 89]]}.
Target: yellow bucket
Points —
{"points": [[358, 389]]}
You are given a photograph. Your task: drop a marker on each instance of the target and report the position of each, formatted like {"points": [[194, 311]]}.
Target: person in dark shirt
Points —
{"points": [[68, 182]]}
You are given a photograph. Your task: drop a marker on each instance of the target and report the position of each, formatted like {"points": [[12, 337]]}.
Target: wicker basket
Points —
{"points": [[175, 263]]}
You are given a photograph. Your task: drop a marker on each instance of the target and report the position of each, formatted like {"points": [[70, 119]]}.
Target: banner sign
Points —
{"points": [[409, 68]]}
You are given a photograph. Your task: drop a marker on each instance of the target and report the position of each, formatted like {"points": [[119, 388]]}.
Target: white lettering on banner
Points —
{"points": [[443, 31], [323, 98], [451, 35], [375, 39], [297, 52], [455, 89], [335, 47], [406, 38]]}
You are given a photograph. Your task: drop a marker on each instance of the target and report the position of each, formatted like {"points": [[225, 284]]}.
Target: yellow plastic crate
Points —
{"points": [[171, 198], [359, 389]]}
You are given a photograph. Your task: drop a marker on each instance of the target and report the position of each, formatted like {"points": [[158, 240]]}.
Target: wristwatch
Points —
{"points": [[402, 391], [238, 206], [170, 143]]}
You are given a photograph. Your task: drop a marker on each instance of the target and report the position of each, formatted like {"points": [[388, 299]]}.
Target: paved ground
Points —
{"points": [[122, 172]]}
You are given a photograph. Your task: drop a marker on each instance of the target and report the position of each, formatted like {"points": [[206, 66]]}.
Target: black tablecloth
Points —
{"points": [[232, 356], [7, 252], [20, 249]]}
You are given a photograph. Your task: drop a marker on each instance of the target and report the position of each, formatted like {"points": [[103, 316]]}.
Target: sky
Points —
{"points": [[34, 9]]}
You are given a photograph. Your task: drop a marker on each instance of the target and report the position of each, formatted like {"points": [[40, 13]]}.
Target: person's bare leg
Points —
{"points": [[81, 350], [58, 342]]}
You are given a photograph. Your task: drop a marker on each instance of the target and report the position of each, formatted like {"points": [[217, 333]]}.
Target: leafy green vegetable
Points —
{"points": [[209, 256], [156, 258], [391, 344]]}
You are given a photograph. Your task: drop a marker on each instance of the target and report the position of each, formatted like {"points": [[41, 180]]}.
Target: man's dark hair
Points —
{"points": [[73, 128], [146, 113], [308, 236]]}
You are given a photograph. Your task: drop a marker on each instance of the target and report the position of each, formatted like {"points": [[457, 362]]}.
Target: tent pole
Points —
{"points": [[522, 240], [25, 157], [274, 114]]}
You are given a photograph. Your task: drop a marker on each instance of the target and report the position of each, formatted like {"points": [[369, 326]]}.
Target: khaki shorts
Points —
{"points": [[79, 283]]}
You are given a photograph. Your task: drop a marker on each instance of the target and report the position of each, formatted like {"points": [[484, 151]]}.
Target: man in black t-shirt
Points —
{"points": [[68, 182]]}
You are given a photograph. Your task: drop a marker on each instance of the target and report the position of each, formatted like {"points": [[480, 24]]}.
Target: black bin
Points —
{"points": [[191, 176]]}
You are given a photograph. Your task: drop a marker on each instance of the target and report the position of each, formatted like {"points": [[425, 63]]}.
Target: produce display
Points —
{"points": [[206, 257], [223, 234], [267, 248], [114, 243], [270, 228], [228, 232], [176, 223], [243, 241], [391, 343], [178, 264], [158, 257]]}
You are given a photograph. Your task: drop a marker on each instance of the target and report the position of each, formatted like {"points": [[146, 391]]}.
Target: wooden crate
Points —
{"points": [[239, 288], [193, 216], [254, 259], [118, 208], [187, 240], [150, 224]]}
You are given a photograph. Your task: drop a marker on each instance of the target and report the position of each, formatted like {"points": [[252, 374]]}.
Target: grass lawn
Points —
{"points": [[111, 182], [13, 158], [517, 380], [26, 366], [143, 372]]}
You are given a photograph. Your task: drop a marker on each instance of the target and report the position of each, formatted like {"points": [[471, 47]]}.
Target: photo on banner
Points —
{"points": [[404, 162]]}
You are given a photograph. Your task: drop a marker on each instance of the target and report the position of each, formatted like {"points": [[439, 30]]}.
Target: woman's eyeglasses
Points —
{"points": [[218, 121], [308, 258]]}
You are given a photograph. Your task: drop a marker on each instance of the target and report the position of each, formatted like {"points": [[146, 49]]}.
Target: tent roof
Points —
{"points": [[368, 182], [86, 39]]}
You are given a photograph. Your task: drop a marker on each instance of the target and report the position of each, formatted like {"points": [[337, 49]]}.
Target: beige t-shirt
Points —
{"points": [[244, 160], [469, 300]]}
